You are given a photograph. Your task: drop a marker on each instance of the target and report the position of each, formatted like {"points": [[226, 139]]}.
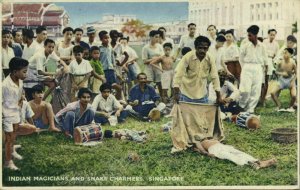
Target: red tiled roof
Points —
{"points": [[53, 13]]}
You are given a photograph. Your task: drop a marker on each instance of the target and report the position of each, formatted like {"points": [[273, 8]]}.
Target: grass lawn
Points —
{"points": [[49, 154]]}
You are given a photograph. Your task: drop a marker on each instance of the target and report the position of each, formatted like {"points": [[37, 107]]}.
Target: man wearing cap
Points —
{"points": [[254, 58], [91, 32]]}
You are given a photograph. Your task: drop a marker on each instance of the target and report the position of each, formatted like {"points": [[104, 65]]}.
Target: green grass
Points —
{"points": [[49, 154]]}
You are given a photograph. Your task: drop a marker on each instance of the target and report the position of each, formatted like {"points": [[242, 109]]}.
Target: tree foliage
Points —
{"points": [[136, 27]]}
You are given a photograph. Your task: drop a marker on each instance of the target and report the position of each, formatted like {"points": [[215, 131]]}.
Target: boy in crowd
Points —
{"points": [[187, 40], [150, 53], [7, 52], [131, 64], [30, 45], [98, 76], [12, 88], [86, 53], [81, 71], [64, 48], [17, 37], [16, 47], [41, 35], [287, 71], [143, 98], [212, 34], [43, 113], [167, 62], [106, 105], [76, 113], [78, 32], [107, 59]]}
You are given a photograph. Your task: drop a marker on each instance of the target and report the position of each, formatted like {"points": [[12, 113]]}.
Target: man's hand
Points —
{"points": [[135, 103], [118, 113], [220, 101], [107, 115], [227, 100]]}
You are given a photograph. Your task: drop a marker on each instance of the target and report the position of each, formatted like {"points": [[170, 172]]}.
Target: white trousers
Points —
{"points": [[250, 86], [230, 153]]}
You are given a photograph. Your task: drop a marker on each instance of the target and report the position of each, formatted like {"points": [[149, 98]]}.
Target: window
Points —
{"points": [[252, 7], [277, 16], [270, 16], [265, 16], [276, 4], [257, 6], [264, 5], [258, 17], [270, 5]]}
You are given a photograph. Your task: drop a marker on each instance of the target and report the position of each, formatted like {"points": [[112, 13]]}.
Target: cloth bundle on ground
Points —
{"points": [[88, 133], [138, 136], [192, 120]]}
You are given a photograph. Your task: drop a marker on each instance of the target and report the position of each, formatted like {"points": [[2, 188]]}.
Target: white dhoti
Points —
{"points": [[250, 86], [230, 153]]}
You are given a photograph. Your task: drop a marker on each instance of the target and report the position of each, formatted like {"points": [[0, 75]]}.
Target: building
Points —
{"points": [[110, 22], [32, 15], [240, 14]]}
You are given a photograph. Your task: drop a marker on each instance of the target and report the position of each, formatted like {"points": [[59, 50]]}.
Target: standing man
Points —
{"points": [[164, 39], [193, 122], [41, 36], [187, 40], [254, 57], [78, 32], [212, 34], [91, 32]]}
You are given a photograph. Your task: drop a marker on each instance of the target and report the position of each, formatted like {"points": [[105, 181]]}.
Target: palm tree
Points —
{"points": [[136, 28]]}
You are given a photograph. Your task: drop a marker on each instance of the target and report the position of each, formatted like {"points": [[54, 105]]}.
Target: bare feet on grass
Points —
{"points": [[267, 163], [54, 129]]}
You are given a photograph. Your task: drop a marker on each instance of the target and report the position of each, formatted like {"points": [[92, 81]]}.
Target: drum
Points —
{"points": [[247, 120], [87, 133]]}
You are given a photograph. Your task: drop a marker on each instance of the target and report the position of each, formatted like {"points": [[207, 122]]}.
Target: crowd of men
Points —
{"points": [[88, 83]]}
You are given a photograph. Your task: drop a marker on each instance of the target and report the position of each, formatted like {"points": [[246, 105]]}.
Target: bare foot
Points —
{"points": [[54, 129], [267, 163]]}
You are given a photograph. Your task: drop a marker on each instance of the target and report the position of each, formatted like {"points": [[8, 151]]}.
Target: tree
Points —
{"points": [[136, 28]]}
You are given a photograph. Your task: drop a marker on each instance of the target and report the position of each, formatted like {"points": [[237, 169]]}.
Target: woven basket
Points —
{"points": [[284, 135]]}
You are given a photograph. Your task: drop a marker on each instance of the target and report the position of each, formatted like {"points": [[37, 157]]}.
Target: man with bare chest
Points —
{"points": [[287, 76]]}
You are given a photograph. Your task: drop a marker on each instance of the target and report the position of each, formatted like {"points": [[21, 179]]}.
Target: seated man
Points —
{"points": [[229, 93], [286, 69], [106, 105], [43, 113], [76, 113], [143, 99]]}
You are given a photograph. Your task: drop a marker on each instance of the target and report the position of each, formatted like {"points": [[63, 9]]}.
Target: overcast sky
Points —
{"points": [[150, 12]]}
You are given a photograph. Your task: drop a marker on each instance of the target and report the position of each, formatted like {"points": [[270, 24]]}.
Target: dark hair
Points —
{"points": [[154, 32], [231, 31], [105, 86], [291, 38], [124, 38], [28, 33], [138, 76], [162, 28], [102, 33], [185, 50], [4, 32], [48, 41], [290, 50], [222, 32], [37, 89], [272, 30], [17, 63], [14, 32], [93, 48], [67, 29], [77, 30], [168, 45], [211, 26], [77, 49], [82, 91], [220, 38], [40, 29], [191, 24], [108, 134], [261, 39], [113, 32], [201, 39]]}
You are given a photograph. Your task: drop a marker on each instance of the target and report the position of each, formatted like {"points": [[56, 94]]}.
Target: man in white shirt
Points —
{"points": [[106, 105], [212, 31], [91, 32], [217, 52], [41, 36], [30, 45], [7, 52], [187, 40], [254, 57]]}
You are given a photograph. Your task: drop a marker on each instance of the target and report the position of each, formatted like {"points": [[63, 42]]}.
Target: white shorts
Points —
{"points": [[153, 74], [167, 79]]}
